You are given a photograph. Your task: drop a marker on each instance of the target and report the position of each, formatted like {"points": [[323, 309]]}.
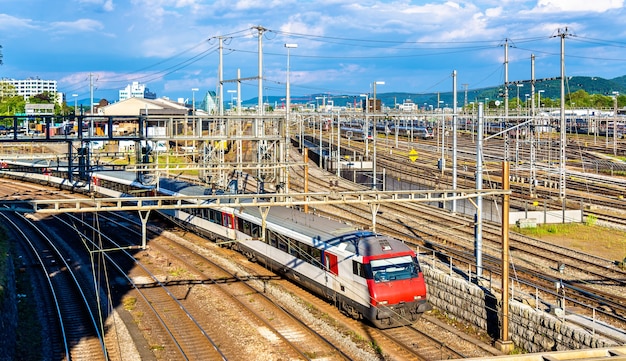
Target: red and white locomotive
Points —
{"points": [[367, 275]]}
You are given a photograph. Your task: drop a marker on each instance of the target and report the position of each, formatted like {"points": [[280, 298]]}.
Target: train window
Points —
{"points": [[358, 269], [256, 231], [294, 249], [305, 251], [243, 226], [316, 257], [397, 268], [216, 217], [282, 245], [272, 238]]}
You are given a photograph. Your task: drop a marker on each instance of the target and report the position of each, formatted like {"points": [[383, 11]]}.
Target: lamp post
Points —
{"points": [[232, 92], [287, 120], [374, 185], [518, 99], [75, 103], [193, 100], [539, 99], [615, 95], [526, 105], [288, 105], [366, 128]]}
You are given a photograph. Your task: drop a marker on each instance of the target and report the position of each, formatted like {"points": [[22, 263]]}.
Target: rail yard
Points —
{"points": [[190, 295]]}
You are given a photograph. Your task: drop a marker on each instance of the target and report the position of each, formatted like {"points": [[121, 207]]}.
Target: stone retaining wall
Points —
{"points": [[530, 329]]}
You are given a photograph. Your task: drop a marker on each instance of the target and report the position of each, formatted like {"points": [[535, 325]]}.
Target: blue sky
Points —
{"points": [[343, 46]]}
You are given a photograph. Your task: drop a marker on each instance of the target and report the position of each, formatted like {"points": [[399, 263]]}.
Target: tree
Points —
{"points": [[12, 105]]}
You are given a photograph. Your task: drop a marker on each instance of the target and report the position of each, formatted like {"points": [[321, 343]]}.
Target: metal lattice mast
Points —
{"points": [[563, 143], [506, 97], [262, 146], [454, 136], [533, 149]]}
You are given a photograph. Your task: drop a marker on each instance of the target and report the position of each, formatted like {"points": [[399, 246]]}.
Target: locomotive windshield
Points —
{"points": [[392, 269]]}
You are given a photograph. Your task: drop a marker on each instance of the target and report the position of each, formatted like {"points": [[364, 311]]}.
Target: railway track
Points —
{"points": [[594, 284], [182, 335], [73, 325], [407, 343], [248, 295]]}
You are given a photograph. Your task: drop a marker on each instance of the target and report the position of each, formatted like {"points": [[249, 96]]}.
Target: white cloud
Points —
{"points": [[81, 25], [596, 6], [9, 22], [106, 5]]}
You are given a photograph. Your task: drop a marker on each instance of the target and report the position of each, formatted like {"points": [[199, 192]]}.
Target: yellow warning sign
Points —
{"points": [[413, 155]]}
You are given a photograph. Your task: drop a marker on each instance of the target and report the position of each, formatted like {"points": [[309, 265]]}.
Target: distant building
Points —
{"points": [[39, 109], [136, 106], [32, 86], [136, 90]]}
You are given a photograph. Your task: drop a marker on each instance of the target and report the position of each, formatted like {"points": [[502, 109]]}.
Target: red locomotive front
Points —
{"points": [[397, 290]]}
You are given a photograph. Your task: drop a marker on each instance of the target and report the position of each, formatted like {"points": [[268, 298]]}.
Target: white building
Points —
{"points": [[136, 90], [32, 86]]}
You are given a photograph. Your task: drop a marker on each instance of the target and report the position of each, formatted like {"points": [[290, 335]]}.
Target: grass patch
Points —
{"points": [[587, 237], [562, 229], [129, 303], [177, 272]]}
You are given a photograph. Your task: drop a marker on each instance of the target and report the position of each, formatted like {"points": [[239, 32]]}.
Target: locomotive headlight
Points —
{"points": [[383, 302], [417, 297]]}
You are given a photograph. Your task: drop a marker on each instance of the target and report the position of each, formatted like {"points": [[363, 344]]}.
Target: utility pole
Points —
{"points": [[506, 98], [563, 143], [465, 92], [90, 94], [220, 78], [454, 138], [533, 149], [260, 126], [261, 30]]}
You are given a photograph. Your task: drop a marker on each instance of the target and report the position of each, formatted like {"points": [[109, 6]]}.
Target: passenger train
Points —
{"points": [[368, 276], [358, 133]]}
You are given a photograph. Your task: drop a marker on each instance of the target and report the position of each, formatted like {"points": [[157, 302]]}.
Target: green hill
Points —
{"points": [[551, 89]]}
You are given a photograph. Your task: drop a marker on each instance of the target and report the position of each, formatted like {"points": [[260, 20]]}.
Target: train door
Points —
{"points": [[228, 220], [330, 263], [333, 283]]}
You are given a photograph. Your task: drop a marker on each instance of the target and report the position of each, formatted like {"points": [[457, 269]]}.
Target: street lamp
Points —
{"points": [[526, 103], [366, 128], [288, 111], [193, 100], [75, 103], [375, 83], [374, 186], [539, 98], [231, 98], [615, 95], [518, 99], [288, 105]]}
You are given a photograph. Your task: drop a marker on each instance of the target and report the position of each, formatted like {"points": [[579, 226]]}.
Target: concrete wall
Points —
{"points": [[547, 216], [530, 329]]}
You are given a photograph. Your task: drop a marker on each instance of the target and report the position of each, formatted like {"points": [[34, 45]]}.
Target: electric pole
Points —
{"points": [[563, 142]]}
